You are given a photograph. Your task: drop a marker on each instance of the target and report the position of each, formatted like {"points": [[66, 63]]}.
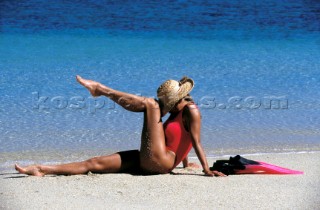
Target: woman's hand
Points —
{"points": [[193, 165], [213, 173]]}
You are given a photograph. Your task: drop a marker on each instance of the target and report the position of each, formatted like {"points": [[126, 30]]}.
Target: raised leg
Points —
{"points": [[126, 100], [154, 157], [127, 161]]}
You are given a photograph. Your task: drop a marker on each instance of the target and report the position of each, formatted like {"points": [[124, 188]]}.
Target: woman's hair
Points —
{"points": [[188, 98]]}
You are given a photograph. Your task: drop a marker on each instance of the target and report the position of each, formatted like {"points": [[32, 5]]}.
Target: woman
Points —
{"points": [[163, 146]]}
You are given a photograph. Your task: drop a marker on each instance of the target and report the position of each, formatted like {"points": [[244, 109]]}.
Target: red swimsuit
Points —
{"points": [[178, 139]]}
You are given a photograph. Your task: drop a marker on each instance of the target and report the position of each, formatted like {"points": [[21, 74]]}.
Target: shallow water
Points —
{"points": [[256, 72]]}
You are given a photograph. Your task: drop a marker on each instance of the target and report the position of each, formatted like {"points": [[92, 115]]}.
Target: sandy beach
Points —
{"points": [[186, 189], [255, 66]]}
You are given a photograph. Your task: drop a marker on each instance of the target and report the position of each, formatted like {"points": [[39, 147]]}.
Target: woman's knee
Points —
{"points": [[151, 103], [93, 164]]}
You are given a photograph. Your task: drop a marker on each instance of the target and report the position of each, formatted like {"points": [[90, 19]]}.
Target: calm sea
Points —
{"points": [[255, 64]]}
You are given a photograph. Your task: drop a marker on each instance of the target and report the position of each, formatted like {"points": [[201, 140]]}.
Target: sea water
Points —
{"points": [[255, 65]]}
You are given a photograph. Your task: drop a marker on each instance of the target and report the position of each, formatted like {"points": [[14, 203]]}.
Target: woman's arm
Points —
{"points": [[194, 129], [186, 163]]}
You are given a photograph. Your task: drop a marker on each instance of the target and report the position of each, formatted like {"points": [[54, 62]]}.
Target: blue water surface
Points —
{"points": [[255, 64]]}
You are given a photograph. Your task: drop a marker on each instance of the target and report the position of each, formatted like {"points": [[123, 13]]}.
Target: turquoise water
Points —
{"points": [[255, 65]]}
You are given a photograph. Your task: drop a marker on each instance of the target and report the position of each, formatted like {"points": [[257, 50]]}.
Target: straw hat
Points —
{"points": [[171, 91]]}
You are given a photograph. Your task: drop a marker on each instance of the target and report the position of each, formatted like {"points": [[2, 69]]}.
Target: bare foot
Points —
{"points": [[33, 170], [90, 85]]}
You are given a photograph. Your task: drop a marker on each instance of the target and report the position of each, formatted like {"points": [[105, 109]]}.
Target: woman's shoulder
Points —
{"points": [[190, 115], [191, 110], [192, 106]]}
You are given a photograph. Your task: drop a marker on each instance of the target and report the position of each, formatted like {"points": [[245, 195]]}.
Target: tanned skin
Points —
{"points": [[153, 157]]}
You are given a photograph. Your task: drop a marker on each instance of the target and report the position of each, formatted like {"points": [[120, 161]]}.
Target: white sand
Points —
{"points": [[189, 190]]}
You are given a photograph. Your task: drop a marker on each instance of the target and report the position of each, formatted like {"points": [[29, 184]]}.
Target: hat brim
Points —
{"points": [[184, 90]]}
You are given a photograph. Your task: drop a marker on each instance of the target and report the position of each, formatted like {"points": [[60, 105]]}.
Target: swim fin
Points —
{"points": [[240, 165]]}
